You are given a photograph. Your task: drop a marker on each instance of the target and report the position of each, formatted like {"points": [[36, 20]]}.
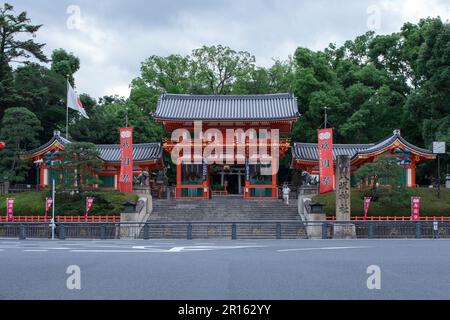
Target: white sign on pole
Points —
{"points": [[439, 147]]}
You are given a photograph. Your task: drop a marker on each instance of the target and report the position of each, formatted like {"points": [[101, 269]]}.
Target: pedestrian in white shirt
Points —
{"points": [[286, 192]]}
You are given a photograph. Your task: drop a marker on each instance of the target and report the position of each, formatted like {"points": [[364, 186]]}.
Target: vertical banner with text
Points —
{"points": [[126, 160], [415, 208], [48, 204], [325, 149], [89, 203], [366, 206], [10, 209]]}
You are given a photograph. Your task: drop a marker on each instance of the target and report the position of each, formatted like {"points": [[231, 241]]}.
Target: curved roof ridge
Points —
{"points": [[105, 145], [226, 96], [276, 106], [309, 151]]}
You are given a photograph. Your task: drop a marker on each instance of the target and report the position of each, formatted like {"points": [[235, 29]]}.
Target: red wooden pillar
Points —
{"points": [[206, 183], [179, 180], [117, 182], [274, 179]]}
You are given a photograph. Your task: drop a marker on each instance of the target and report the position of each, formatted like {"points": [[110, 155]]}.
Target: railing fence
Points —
{"points": [[225, 230]]}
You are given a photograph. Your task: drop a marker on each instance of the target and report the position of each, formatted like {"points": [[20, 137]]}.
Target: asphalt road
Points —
{"points": [[278, 269]]}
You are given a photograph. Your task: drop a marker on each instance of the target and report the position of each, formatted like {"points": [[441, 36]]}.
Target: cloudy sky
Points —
{"points": [[112, 37]]}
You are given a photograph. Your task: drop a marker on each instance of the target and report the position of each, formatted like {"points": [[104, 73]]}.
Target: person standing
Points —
{"points": [[286, 190]]}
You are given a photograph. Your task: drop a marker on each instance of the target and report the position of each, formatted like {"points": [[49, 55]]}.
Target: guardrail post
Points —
{"points": [[103, 232], [233, 231], [62, 232], [189, 231], [278, 231], [146, 232], [418, 230], [324, 230], [22, 232], [370, 231]]}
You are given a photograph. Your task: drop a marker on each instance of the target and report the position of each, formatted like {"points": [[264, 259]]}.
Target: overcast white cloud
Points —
{"points": [[113, 37]]}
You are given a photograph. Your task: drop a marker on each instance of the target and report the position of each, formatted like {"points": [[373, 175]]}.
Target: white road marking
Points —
{"points": [[116, 251], [322, 248], [108, 246], [154, 249], [35, 250]]}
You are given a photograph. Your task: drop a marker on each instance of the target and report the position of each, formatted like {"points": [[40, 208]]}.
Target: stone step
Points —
{"points": [[223, 209]]}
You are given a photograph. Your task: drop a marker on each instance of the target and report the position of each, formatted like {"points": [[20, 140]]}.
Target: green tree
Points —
{"points": [[385, 169], [20, 129], [82, 160], [43, 92], [216, 68], [12, 47], [65, 64], [276, 79], [15, 47]]}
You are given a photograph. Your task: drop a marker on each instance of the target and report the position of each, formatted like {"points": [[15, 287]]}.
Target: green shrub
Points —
{"points": [[33, 203], [392, 202]]}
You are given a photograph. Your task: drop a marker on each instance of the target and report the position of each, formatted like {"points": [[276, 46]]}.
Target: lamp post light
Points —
{"points": [[439, 148], [50, 161]]}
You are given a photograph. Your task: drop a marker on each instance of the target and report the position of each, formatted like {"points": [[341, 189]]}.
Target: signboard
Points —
{"points": [[10, 209], [126, 160], [415, 208], [366, 206], [89, 203], [325, 148], [48, 204], [439, 147], [204, 169], [247, 169]]}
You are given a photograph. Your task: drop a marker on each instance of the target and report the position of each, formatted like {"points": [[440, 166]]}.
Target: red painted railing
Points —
{"points": [[394, 218], [105, 218]]}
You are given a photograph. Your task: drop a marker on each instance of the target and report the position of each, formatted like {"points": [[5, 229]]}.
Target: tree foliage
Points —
{"points": [[13, 49], [384, 169], [20, 130], [82, 160]]}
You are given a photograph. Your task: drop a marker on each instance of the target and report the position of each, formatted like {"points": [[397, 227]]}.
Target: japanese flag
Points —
{"points": [[73, 101]]}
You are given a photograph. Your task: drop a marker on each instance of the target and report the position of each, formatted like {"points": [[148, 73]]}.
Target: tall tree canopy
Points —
{"points": [[11, 48], [81, 159], [65, 64], [20, 130]]}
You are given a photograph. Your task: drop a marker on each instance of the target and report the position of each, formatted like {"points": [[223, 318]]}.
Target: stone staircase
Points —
{"points": [[213, 219], [226, 208]]}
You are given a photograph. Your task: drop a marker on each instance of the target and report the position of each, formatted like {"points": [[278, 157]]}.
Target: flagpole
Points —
{"points": [[67, 110]]}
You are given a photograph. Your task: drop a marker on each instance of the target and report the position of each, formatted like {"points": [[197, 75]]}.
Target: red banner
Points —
{"points": [[48, 204], [415, 208], [126, 160], [366, 206], [10, 209], [89, 203], [325, 147]]}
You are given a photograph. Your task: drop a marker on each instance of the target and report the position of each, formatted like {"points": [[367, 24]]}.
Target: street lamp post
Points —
{"points": [[50, 161]]}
